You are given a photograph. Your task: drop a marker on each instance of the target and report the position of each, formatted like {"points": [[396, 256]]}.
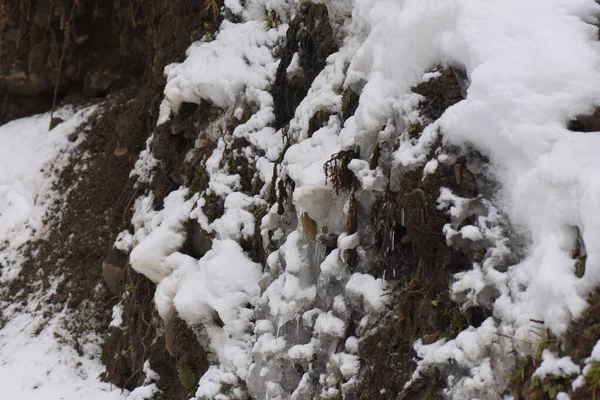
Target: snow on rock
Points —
{"points": [[222, 70], [366, 289], [551, 365], [531, 67], [224, 280], [166, 235]]}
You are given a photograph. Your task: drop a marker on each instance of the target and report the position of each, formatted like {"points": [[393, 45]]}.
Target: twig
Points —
{"points": [[62, 57]]}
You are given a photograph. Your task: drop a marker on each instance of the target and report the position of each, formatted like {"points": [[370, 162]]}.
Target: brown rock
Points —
{"points": [[57, 121], [309, 225], [114, 277], [121, 151]]}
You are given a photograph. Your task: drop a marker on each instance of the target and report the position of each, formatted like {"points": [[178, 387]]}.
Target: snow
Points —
{"points": [[366, 289], [330, 325], [167, 234], [222, 70], [28, 157], [553, 366], [37, 357], [35, 364], [117, 316], [224, 280]]}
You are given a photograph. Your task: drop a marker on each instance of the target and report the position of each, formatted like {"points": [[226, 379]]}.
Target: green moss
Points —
{"points": [[414, 129], [546, 341], [271, 19], [553, 386], [456, 321], [431, 393], [186, 376], [592, 378], [522, 372], [260, 211], [592, 332], [129, 287]]}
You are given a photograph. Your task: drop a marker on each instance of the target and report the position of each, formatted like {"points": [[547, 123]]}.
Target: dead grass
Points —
{"points": [[211, 7], [337, 172]]}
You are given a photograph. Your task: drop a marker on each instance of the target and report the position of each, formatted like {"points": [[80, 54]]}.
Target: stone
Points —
{"points": [[54, 121], [114, 276]]}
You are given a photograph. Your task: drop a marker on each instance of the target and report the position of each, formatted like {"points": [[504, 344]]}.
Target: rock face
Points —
{"points": [[257, 243], [84, 49]]}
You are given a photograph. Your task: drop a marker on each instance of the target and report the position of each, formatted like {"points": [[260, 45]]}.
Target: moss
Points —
{"points": [[260, 211], [414, 129], [553, 386], [592, 378], [431, 393], [546, 340], [129, 287], [522, 372], [456, 320], [592, 331], [526, 386], [211, 31], [271, 19], [186, 376]]}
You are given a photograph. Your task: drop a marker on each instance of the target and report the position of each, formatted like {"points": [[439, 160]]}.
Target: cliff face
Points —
{"points": [[271, 199]]}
